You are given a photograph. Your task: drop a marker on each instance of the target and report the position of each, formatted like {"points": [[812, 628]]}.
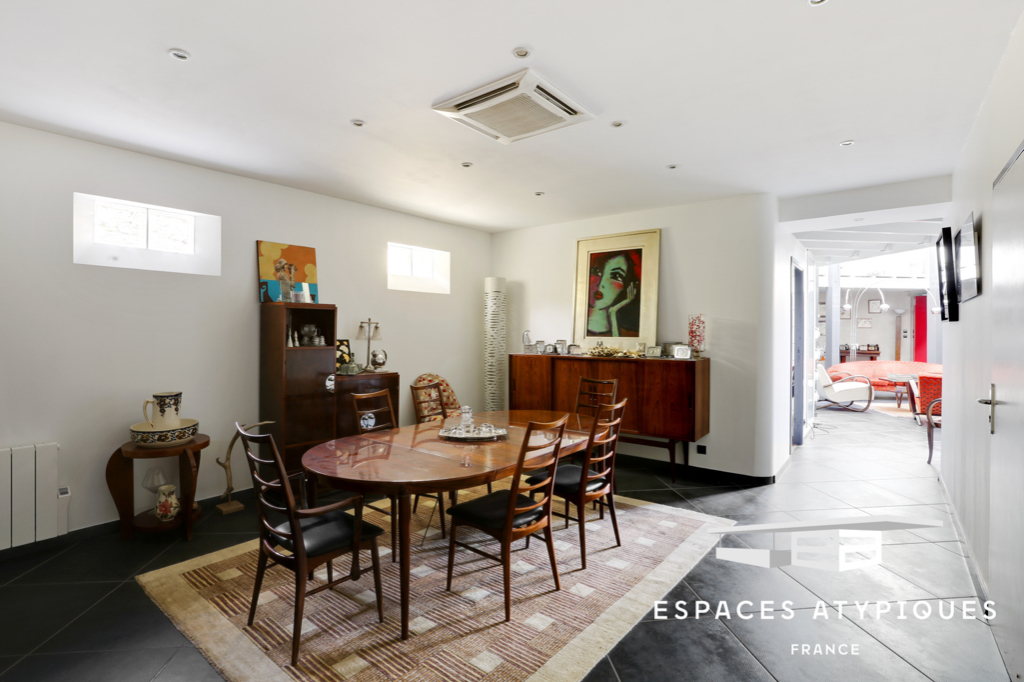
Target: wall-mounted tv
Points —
{"points": [[967, 256], [947, 276]]}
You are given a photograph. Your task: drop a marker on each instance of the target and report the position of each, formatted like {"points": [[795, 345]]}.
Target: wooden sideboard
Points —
{"points": [[668, 399]]}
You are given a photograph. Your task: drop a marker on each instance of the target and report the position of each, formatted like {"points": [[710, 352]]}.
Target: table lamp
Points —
{"points": [[370, 331]]}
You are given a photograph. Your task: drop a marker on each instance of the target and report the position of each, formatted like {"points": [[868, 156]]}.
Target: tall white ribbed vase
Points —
{"points": [[495, 360]]}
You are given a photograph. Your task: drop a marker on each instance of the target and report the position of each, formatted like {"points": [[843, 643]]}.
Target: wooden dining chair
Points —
{"points": [[595, 480], [311, 537], [508, 515], [592, 393], [427, 402], [368, 420]]}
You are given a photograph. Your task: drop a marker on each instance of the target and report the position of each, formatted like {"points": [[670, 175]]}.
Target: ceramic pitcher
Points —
{"points": [[166, 412], [167, 504]]}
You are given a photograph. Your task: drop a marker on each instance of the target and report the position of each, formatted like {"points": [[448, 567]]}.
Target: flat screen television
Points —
{"points": [[967, 257], [947, 276]]}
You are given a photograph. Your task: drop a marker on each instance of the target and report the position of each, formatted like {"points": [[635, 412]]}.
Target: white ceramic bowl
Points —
{"points": [[146, 436]]}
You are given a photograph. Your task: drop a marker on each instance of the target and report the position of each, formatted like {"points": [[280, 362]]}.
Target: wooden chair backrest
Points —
{"points": [[548, 459], [604, 437], [593, 393], [380, 418], [269, 533], [428, 403]]}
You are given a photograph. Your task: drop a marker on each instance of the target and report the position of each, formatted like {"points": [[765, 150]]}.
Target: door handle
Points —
{"points": [[991, 402]]}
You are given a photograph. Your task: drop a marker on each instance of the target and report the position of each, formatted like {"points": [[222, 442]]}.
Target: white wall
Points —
{"points": [[82, 346], [716, 259]]}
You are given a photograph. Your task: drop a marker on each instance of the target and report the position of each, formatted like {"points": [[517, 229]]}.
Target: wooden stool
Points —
{"points": [[121, 482]]}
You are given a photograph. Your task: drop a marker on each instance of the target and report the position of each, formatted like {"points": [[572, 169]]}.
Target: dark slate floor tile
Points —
{"points": [[124, 619], [935, 569], [875, 583], [200, 545], [188, 665], [672, 650], [14, 567], [100, 559], [602, 672], [757, 540], [771, 641], [245, 521], [946, 650], [627, 480], [99, 666], [717, 501], [29, 615]]}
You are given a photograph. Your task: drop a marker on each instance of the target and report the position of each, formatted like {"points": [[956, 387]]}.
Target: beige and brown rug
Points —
{"points": [[457, 635]]}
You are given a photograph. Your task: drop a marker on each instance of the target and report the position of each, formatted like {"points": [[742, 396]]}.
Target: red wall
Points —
{"points": [[920, 329]]}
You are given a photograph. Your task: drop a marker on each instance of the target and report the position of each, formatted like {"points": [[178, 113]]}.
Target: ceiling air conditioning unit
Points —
{"points": [[514, 108]]}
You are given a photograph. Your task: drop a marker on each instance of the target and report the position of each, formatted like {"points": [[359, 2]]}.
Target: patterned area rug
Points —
{"points": [[457, 635]]}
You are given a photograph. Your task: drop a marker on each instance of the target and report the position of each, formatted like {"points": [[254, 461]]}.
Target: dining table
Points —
{"points": [[416, 459]]}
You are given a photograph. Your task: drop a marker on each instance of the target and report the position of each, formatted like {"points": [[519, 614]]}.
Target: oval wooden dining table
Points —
{"points": [[412, 460]]}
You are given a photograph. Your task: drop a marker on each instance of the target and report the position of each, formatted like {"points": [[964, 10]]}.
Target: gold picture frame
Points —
{"points": [[623, 270]]}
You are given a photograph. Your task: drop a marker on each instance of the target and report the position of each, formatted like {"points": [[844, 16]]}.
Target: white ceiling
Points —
{"points": [[743, 95]]}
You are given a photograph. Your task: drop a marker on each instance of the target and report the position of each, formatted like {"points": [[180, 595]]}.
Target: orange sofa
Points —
{"points": [[878, 371]]}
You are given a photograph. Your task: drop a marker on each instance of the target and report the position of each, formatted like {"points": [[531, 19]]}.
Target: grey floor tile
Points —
{"points": [[946, 650], [105, 558], [95, 666], [200, 545], [875, 583], [188, 665], [718, 501], [124, 619], [757, 540], [861, 493], [806, 472], [772, 641], [955, 547], [945, 533], [797, 497], [671, 650], [715, 580], [935, 569], [820, 514], [869, 469], [51, 607], [921, 490], [16, 566]]}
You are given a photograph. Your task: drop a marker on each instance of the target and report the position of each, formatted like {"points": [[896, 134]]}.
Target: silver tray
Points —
{"points": [[498, 433]]}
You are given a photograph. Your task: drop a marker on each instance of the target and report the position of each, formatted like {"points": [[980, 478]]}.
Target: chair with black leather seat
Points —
{"points": [[508, 515], [368, 420], [593, 393], [595, 480], [312, 537]]}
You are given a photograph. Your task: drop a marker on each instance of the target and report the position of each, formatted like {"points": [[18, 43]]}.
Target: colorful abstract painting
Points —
{"points": [[287, 273]]}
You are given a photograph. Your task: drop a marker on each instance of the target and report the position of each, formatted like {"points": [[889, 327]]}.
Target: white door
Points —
{"points": [[1005, 229]]}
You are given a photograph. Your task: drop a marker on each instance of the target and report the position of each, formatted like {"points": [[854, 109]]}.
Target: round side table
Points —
{"points": [[902, 385], [121, 482]]}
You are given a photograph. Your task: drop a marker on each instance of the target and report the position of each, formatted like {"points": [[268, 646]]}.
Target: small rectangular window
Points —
{"points": [[128, 234], [414, 268]]}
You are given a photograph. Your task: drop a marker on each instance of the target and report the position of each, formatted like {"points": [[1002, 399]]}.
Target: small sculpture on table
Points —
{"points": [[231, 506]]}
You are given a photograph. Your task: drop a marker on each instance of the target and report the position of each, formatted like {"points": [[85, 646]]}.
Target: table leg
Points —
{"points": [[120, 475], [404, 540]]}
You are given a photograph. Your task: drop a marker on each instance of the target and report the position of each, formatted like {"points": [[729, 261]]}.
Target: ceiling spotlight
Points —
{"points": [[179, 54], [847, 143], [521, 52], [358, 123], [616, 124], [467, 164], [817, 2], [539, 194], [671, 166]]}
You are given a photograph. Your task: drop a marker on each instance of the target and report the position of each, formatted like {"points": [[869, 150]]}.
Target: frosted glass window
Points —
{"points": [[119, 225], [171, 232], [415, 268]]}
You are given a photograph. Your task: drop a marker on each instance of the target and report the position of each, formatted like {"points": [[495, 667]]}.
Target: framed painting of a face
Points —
{"points": [[617, 289]]}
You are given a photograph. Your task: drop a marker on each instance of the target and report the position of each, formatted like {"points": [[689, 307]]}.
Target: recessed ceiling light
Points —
{"points": [[467, 164], [539, 194], [358, 123], [671, 166], [616, 124], [521, 52], [179, 54], [847, 143]]}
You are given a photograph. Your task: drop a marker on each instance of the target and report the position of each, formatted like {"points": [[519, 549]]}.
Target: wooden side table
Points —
{"points": [[121, 482]]}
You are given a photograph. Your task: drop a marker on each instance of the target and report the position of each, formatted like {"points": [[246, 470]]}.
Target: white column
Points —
{"points": [[495, 357]]}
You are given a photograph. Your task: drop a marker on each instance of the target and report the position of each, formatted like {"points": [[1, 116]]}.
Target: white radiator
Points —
{"points": [[29, 499]]}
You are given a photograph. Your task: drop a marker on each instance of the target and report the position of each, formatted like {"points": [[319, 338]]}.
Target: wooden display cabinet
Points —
{"points": [[369, 382], [297, 384]]}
